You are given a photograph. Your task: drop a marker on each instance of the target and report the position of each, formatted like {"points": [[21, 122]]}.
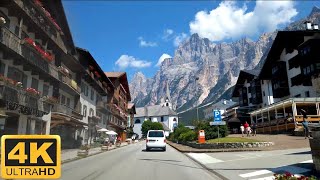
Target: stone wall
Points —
{"points": [[228, 145]]}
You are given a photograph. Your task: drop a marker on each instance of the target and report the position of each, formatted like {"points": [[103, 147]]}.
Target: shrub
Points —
{"points": [[179, 130], [211, 132], [187, 136]]}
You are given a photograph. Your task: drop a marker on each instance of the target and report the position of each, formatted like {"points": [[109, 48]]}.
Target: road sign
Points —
{"points": [[217, 123], [216, 115], [30, 156]]}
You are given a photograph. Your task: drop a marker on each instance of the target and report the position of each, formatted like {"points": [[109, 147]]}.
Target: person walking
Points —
{"points": [[242, 129], [246, 128], [305, 126], [254, 129]]}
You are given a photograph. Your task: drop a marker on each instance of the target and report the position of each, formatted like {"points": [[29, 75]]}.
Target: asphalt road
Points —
{"points": [[134, 163]]}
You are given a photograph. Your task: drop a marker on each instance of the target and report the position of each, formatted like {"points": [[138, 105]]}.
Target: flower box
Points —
{"points": [[33, 92], [53, 21], [50, 99], [43, 53]]}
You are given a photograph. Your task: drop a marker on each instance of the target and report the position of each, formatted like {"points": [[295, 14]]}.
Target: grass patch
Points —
{"points": [[231, 139]]}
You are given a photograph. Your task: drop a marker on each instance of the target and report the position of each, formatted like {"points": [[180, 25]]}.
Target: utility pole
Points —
{"points": [[197, 78]]}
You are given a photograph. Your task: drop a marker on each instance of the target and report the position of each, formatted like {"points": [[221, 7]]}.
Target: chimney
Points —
{"points": [[315, 27], [308, 25]]}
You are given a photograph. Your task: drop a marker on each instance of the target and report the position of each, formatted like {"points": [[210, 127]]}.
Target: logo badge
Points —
{"points": [[30, 156]]}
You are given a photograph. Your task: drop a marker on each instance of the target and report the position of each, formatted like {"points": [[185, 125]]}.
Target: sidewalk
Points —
{"points": [[68, 155], [281, 141]]}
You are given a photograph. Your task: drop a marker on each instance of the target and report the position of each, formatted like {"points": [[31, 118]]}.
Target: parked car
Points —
{"points": [[156, 139]]}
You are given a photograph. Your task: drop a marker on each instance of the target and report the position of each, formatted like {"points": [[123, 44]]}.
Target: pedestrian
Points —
{"points": [[246, 127], [254, 129], [305, 126], [248, 131], [242, 129]]}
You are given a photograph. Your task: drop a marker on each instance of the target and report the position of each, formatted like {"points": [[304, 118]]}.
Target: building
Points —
{"points": [[119, 103], [96, 89], [36, 47], [220, 106], [163, 113], [289, 83], [47, 84]]}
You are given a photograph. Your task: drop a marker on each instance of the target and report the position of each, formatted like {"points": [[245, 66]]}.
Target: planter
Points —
{"points": [[83, 153], [104, 148], [315, 145]]}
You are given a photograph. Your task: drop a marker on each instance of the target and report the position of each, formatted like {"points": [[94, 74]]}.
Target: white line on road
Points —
{"points": [[255, 173], [204, 158], [265, 178], [308, 161]]}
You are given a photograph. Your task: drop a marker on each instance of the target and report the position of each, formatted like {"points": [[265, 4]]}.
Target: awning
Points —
{"points": [[111, 133], [234, 120], [103, 130]]}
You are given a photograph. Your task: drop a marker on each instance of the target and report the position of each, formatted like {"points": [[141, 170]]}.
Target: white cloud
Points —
{"points": [[144, 43], [129, 61], [179, 39], [229, 21], [162, 58], [167, 34]]}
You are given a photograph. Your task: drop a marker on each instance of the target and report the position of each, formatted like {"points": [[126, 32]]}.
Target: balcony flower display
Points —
{"points": [[65, 71], [39, 3], [33, 92], [97, 74], [91, 68], [19, 84], [50, 99], [44, 54], [7, 80]]}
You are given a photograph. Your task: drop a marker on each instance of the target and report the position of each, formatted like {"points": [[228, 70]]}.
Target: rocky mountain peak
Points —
{"points": [[315, 10]]}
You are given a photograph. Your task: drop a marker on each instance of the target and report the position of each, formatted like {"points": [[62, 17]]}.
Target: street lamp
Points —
{"points": [[197, 78]]}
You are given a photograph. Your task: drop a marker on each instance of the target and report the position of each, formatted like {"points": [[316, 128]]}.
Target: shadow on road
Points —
{"points": [[297, 153], [166, 160], [153, 150]]}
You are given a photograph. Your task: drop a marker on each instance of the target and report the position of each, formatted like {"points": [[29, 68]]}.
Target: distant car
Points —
{"points": [[156, 139]]}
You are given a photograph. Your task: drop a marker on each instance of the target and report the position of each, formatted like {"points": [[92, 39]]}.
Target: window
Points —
{"points": [[17, 75], [262, 82], [91, 112], [34, 83], [308, 70], [307, 94], [162, 119], [68, 102], [84, 89], [264, 94], [45, 90], [167, 104], [16, 30], [63, 99], [92, 94], [84, 113], [2, 66]]}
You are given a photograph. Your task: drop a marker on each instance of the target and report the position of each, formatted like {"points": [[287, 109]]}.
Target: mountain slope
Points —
{"points": [[216, 65]]}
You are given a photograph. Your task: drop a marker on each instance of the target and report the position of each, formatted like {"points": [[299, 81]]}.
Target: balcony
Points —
{"points": [[33, 59], [70, 84], [38, 19], [19, 101]]}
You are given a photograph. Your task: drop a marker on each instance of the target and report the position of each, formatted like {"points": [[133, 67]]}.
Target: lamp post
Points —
{"points": [[197, 78]]}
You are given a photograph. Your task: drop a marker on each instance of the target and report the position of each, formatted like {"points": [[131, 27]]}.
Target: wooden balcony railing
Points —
{"points": [[39, 17], [310, 118], [18, 99], [13, 42]]}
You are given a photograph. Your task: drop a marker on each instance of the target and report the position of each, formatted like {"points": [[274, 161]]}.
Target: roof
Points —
{"points": [[156, 110], [132, 107], [221, 105], [243, 76], [91, 61], [122, 76], [114, 74], [284, 39], [165, 127]]}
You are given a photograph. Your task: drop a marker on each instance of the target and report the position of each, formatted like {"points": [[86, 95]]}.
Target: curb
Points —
{"points": [[78, 158], [215, 151], [208, 169]]}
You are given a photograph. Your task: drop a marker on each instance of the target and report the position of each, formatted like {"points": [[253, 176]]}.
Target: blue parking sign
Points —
{"points": [[216, 115]]}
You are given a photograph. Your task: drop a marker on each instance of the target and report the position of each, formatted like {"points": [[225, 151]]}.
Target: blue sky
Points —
{"points": [[131, 36]]}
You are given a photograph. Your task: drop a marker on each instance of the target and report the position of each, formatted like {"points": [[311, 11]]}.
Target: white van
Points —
{"points": [[156, 139]]}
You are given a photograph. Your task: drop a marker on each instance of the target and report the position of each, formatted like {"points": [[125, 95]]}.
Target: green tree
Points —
{"points": [[211, 132], [148, 125]]}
